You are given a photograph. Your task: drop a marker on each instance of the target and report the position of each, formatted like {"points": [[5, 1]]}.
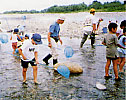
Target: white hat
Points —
{"points": [[61, 18]]}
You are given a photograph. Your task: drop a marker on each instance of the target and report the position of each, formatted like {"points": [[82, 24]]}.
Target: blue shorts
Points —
{"points": [[24, 64]]}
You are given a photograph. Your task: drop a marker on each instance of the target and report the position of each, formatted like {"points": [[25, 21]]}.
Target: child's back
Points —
{"points": [[14, 38], [111, 43]]}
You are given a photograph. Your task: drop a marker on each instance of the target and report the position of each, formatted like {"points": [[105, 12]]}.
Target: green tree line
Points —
{"points": [[114, 6]]}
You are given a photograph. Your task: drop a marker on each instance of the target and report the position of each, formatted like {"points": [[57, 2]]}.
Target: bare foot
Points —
{"points": [[24, 80], [13, 53], [121, 71]]}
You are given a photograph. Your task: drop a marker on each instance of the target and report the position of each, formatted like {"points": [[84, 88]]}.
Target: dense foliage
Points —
{"points": [[106, 7]]}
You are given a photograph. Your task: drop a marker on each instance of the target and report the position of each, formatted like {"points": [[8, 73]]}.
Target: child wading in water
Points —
{"points": [[111, 42], [29, 54], [122, 51], [14, 37]]}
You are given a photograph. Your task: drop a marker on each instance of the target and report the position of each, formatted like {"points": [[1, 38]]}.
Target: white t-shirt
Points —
{"points": [[14, 37], [89, 21], [28, 49]]}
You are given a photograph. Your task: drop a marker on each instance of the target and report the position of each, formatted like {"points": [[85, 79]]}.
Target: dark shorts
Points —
{"points": [[24, 64], [55, 38], [112, 58]]}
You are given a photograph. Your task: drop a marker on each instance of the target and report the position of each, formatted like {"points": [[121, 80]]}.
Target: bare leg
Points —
{"points": [[35, 73], [13, 51], [115, 68], [122, 63], [24, 74], [118, 60], [107, 67]]}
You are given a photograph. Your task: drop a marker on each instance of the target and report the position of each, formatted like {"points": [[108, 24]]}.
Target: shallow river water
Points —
{"points": [[54, 86]]}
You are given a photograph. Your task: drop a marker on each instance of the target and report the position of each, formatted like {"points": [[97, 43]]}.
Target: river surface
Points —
{"points": [[55, 87], [73, 24]]}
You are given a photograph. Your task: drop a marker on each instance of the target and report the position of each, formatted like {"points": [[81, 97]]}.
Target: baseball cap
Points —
{"points": [[26, 35], [16, 30], [37, 38]]}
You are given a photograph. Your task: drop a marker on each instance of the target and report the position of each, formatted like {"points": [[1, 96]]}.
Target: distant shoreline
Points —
{"points": [[64, 13], [115, 6]]}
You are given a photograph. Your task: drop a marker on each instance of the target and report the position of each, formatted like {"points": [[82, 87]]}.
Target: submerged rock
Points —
{"points": [[73, 67], [100, 86]]}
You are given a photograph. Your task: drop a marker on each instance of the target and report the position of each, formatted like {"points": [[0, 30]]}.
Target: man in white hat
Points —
{"points": [[53, 39]]}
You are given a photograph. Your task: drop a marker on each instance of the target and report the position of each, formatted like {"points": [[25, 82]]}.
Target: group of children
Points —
{"points": [[29, 50], [17, 40], [115, 49]]}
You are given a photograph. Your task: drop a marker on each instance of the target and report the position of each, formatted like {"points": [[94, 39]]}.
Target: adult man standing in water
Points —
{"points": [[90, 27], [53, 39]]}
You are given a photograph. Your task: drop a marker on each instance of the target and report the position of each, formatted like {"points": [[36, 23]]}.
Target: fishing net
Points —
{"points": [[68, 51], [3, 38], [64, 71]]}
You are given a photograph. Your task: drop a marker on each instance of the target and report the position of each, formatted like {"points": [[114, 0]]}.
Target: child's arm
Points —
{"points": [[20, 52], [18, 36], [11, 38], [124, 42], [120, 46]]}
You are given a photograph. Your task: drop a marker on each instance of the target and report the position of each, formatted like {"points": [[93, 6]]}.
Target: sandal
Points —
{"points": [[118, 79], [107, 77], [24, 83], [36, 83]]}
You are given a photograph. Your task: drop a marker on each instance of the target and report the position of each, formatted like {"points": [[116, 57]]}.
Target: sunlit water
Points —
{"points": [[54, 86]]}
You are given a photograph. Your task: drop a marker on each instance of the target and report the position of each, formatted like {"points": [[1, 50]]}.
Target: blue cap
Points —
{"points": [[26, 35], [20, 37], [16, 30], [37, 38]]}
